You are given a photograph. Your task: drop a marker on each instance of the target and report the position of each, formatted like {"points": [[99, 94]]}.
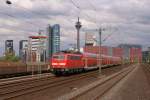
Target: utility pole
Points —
{"points": [[40, 49], [100, 51], [78, 26]]}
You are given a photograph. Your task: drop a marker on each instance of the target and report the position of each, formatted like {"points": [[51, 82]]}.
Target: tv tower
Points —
{"points": [[78, 26]]}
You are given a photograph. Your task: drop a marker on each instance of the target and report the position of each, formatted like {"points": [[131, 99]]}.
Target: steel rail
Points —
{"points": [[102, 85], [106, 87], [43, 85]]}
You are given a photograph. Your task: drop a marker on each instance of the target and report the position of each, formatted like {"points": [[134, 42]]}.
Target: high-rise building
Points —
{"points": [[49, 42], [23, 45], [56, 38], [53, 44], [9, 47]]}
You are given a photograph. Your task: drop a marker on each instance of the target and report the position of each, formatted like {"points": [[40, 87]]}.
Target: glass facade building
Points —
{"points": [[23, 45], [53, 44], [56, 38]]}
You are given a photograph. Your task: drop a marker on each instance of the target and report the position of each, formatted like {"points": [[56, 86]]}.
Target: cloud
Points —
{"points": [[131, 18]]}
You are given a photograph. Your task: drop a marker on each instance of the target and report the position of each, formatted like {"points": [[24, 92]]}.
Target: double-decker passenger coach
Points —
{"points": [[76, 62]]}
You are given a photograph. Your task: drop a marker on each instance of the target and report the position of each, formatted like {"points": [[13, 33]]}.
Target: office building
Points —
{"points": [[53, 43], [23, 45], [9, 50]]}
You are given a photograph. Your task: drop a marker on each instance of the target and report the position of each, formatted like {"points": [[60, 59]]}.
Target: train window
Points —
{"points": [[59, 57], [74, 57]]}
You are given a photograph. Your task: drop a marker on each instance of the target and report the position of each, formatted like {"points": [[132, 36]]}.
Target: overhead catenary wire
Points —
{"points": [[81, 10], [75, 4], [35, 25], [68, 19], [39, 14], [95, 9], [27, 22], [14, 19], [13, 16], [33, 12], [42, 16]]}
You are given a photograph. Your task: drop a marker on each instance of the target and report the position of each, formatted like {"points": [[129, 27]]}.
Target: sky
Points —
{"points": [[124, 21]]}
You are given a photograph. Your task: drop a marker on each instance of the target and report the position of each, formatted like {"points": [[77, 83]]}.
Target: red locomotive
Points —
{"points": [[76, 62]]}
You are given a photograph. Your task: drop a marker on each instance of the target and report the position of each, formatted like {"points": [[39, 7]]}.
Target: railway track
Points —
{"points": [[9, 91], [97, 89], [14, 79], [21, 81], [17, 91]]}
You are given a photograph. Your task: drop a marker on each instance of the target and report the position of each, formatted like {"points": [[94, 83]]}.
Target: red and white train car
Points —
{"points": [[76, 62]]}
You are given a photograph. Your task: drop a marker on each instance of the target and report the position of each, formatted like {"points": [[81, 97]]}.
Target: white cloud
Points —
{"points": [[130, 17], [24, 3], [9, 22]]}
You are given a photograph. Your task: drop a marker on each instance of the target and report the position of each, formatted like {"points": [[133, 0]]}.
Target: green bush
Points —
{"points": [[2, 58], [10, 58]]}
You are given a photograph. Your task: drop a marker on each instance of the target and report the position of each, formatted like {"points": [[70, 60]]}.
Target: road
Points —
{"points": [[135, 86]]}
